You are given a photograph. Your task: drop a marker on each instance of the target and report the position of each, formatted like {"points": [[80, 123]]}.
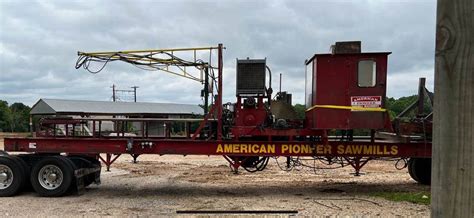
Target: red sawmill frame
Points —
{"points": [[237, 148]]}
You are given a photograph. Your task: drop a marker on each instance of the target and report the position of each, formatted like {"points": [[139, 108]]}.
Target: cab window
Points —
{"points": [[366, 74]]}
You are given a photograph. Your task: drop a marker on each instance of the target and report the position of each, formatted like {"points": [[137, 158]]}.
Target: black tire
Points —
{"points": [[26, 171], [27, 166], [57, 165], [411, 169], [420, 170], [14, 170]]}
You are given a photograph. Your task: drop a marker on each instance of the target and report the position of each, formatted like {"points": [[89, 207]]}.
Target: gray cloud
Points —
{"points": [[39, 41]]}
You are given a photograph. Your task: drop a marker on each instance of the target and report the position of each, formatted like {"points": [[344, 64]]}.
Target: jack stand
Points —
{"points": [[109, 160], [135, 156], [357, 163], [234, 164]]}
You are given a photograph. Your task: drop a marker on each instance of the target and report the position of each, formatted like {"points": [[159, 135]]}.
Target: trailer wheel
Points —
{"points": [[420, 170], [11, 176], [26, 171], [52, 176]]}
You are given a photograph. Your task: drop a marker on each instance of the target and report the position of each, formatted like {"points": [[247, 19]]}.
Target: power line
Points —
{"points": [[121, 94]]}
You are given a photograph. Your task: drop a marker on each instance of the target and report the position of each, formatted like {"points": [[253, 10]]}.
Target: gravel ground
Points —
{"points": [[162, 185]]}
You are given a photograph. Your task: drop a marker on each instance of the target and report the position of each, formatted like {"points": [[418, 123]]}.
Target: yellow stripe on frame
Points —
{"points": [[378, 109]]}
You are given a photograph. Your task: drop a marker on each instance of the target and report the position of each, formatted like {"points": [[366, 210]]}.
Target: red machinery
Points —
{"points": [[345, 96]]}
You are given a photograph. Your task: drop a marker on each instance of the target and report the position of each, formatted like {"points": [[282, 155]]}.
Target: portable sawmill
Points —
{"points": [[346, 122]]}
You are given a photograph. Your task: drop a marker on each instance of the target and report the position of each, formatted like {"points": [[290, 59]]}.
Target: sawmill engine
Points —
{"points": [[255, 110]]}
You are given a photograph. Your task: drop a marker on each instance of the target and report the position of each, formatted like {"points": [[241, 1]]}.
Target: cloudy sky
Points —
{"points": [[39, 42]]}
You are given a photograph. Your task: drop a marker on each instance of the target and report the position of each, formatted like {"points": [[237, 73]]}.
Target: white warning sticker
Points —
{"points": [[366, 101], [32, 145]]}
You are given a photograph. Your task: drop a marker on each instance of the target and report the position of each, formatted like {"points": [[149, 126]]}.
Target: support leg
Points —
{"points": [[234, 164], [135, 156], [109, 160], [357, 163], [107, 164]]}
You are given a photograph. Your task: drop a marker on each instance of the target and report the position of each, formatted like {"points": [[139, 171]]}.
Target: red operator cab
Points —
{"points": [[346, 89]]}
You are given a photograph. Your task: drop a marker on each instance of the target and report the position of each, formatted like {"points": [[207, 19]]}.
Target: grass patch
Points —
{"points": [[413, 197]]}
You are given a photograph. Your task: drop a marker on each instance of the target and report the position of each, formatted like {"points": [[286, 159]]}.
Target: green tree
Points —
{"points": [[5, 116], [396, 106], [300, 111], [14, 118], [19, 117]]}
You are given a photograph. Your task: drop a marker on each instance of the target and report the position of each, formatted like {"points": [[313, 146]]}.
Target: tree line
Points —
{"points": [[14, 117]]}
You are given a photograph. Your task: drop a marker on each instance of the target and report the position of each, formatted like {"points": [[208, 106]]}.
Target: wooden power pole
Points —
{"points": [[452, 185]]}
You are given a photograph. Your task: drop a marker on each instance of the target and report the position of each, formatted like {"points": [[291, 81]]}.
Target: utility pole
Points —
{"points": [[134, 93], [280, 83], [452, 186], [113, 92]]}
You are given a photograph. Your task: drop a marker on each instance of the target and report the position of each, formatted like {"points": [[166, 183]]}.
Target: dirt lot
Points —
{"points": [[162, 185]]}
